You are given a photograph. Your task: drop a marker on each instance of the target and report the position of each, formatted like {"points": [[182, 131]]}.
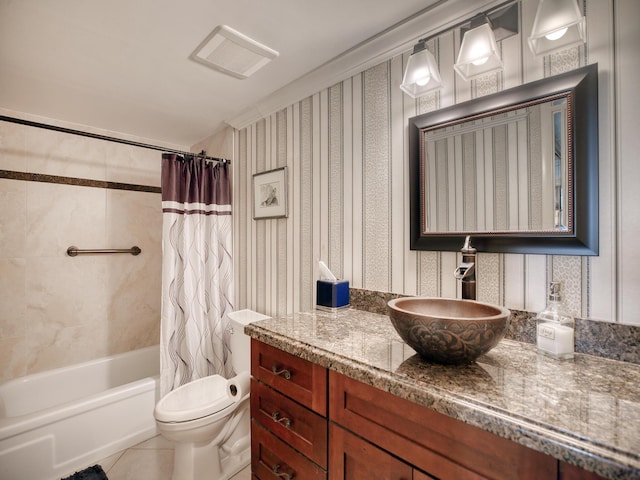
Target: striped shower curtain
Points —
{"points": [[197, 273]]}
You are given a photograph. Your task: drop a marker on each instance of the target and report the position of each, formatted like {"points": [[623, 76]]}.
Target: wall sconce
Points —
{"points": [[558, 24], [479, 48], [479, 51], [421, 75]]}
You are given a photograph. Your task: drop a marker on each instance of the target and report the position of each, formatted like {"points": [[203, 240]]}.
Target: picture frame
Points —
{"points": [[270, 192]]}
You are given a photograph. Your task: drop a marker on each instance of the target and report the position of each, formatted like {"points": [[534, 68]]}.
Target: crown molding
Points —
{"points": [[397, 39]]}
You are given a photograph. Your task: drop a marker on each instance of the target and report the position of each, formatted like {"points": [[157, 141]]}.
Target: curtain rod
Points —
{"points": [[108, 139]]}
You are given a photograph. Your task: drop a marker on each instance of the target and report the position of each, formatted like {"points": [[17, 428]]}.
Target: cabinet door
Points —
{"points": [[571, 472], [351, 458], [432, 442]]}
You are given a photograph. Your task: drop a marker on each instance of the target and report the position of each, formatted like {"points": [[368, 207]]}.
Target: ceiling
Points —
{"points": [[123, 65]]}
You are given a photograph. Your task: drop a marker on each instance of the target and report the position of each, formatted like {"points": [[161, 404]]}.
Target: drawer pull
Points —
{"points": [[281, 373], [281, 420], [279, 474]]}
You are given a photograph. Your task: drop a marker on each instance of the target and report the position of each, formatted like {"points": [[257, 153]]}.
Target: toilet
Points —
{"points": [[208, 419]]}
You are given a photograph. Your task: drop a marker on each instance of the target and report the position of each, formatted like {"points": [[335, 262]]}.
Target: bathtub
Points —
{"points": [[56, 422]]}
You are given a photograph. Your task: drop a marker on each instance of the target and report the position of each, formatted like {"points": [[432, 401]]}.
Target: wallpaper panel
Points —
{"points": [[335, 259], [307, 277], [376, 179], [281, 224], [260, 154]]}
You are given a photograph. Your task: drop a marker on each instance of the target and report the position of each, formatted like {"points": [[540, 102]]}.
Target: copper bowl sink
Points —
{"points": [[448, 330]]}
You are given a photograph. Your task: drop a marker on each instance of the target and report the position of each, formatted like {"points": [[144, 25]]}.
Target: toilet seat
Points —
{"points": [[201, 398]]}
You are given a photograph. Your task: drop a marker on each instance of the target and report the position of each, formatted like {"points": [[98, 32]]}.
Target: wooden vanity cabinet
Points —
{"points": [[431, 442], [370, 434], [288, 416], [435, 445]]}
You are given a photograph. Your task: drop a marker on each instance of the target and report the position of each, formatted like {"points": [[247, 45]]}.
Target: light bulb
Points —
{"points": [[557, 34], [480, 61], [422, 77]]}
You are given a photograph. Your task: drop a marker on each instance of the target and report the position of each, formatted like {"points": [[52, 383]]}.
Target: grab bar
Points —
{"points": [[74, 251]]}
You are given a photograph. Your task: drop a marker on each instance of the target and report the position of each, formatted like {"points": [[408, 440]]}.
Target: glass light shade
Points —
{"points": [[421, 75], [552, 17], [478, 53]]}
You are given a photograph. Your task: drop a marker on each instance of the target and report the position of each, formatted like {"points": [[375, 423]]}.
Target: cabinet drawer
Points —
{"points": [[301, 380], [433, 442], [301, 428], [272, 459], [352, 458]]}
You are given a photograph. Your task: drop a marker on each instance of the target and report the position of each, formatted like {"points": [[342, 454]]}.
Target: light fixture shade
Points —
{"points": [[552, 18], [478, 53], [421, 75]]}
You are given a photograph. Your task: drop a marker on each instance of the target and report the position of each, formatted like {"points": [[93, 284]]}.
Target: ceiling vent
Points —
{"points": [[233, 53]]}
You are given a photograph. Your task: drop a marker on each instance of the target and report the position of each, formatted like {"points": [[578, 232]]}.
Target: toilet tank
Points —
{"points": [[241, 343]]}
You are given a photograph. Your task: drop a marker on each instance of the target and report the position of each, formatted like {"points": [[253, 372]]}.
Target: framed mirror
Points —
{"points": [[516, 170]]}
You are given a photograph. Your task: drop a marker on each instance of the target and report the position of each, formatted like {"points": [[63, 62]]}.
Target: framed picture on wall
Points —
{"points": [[270, 194]]}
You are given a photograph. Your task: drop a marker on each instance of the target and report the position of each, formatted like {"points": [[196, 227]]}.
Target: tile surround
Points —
{"points": [[83, 182], [58, 310]]}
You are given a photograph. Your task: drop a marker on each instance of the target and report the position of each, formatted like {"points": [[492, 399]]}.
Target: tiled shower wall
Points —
{"points": [[56, 310], [346, 152]]}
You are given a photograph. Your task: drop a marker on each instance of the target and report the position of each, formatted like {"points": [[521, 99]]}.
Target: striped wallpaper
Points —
{"points": [[346, 150]]}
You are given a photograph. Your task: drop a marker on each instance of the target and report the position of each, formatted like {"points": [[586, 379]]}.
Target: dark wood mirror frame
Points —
{"points": [[581, 87]]}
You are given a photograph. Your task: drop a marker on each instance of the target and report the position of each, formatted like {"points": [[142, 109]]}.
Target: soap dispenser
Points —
{"points": [[555, 326]]}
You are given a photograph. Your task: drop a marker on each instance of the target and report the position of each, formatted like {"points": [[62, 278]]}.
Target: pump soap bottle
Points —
{"points": [[555, 326]]}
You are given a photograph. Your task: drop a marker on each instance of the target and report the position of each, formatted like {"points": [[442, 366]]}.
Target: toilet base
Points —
{"points": [[235, 463], [204, 462], [212, 460]]}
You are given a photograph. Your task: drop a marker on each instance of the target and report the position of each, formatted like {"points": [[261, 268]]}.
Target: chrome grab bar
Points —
{"points": [[75, 251]]}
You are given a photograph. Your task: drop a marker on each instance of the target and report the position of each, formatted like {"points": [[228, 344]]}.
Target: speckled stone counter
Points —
{"points": [[584, 411]]}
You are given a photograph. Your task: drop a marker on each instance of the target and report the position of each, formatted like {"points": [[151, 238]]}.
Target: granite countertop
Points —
{"points": [[584, 411]]}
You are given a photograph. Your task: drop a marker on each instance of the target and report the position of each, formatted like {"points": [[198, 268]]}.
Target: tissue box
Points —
{"points": [[332, 294]]}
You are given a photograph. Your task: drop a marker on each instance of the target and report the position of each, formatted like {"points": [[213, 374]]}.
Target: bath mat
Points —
{"points": [[91, 473]]}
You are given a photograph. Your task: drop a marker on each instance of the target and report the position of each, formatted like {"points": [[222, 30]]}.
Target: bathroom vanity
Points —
{"points": [[340, 396]]}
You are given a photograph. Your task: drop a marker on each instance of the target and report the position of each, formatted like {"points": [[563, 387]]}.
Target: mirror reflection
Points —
{"points": [[508, 171], [517, 170]]}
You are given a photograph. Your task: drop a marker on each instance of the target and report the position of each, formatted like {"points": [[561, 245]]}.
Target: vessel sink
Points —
{"points": [[446, 330]]}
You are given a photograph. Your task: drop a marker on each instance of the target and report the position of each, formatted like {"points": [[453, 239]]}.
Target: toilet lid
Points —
{"points": [[197, 399]]}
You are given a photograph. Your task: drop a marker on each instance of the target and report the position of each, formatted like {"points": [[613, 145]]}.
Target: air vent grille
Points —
{"points": [[233, 53]]}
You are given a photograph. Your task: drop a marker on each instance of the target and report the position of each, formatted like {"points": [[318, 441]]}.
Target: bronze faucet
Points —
{"points": [[466, 271]]}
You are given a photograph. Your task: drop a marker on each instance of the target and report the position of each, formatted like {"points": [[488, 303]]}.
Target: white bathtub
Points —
{"points": [[55, 422]]}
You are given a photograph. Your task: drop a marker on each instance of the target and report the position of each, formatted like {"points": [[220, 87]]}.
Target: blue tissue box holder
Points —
{"points": [[332, 295]]}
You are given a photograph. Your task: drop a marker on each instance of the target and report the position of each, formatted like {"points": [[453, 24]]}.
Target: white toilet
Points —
{"points": [[208, 419]]}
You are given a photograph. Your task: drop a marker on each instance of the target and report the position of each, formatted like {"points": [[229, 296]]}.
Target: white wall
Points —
{"points": [[218, 145], [346, 150]]}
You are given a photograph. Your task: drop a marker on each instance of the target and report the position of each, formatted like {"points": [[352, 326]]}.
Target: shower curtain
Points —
{"points": [[197, 280]]}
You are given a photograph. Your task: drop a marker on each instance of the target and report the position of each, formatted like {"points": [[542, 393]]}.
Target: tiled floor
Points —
{"points": [[149, 460]]}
